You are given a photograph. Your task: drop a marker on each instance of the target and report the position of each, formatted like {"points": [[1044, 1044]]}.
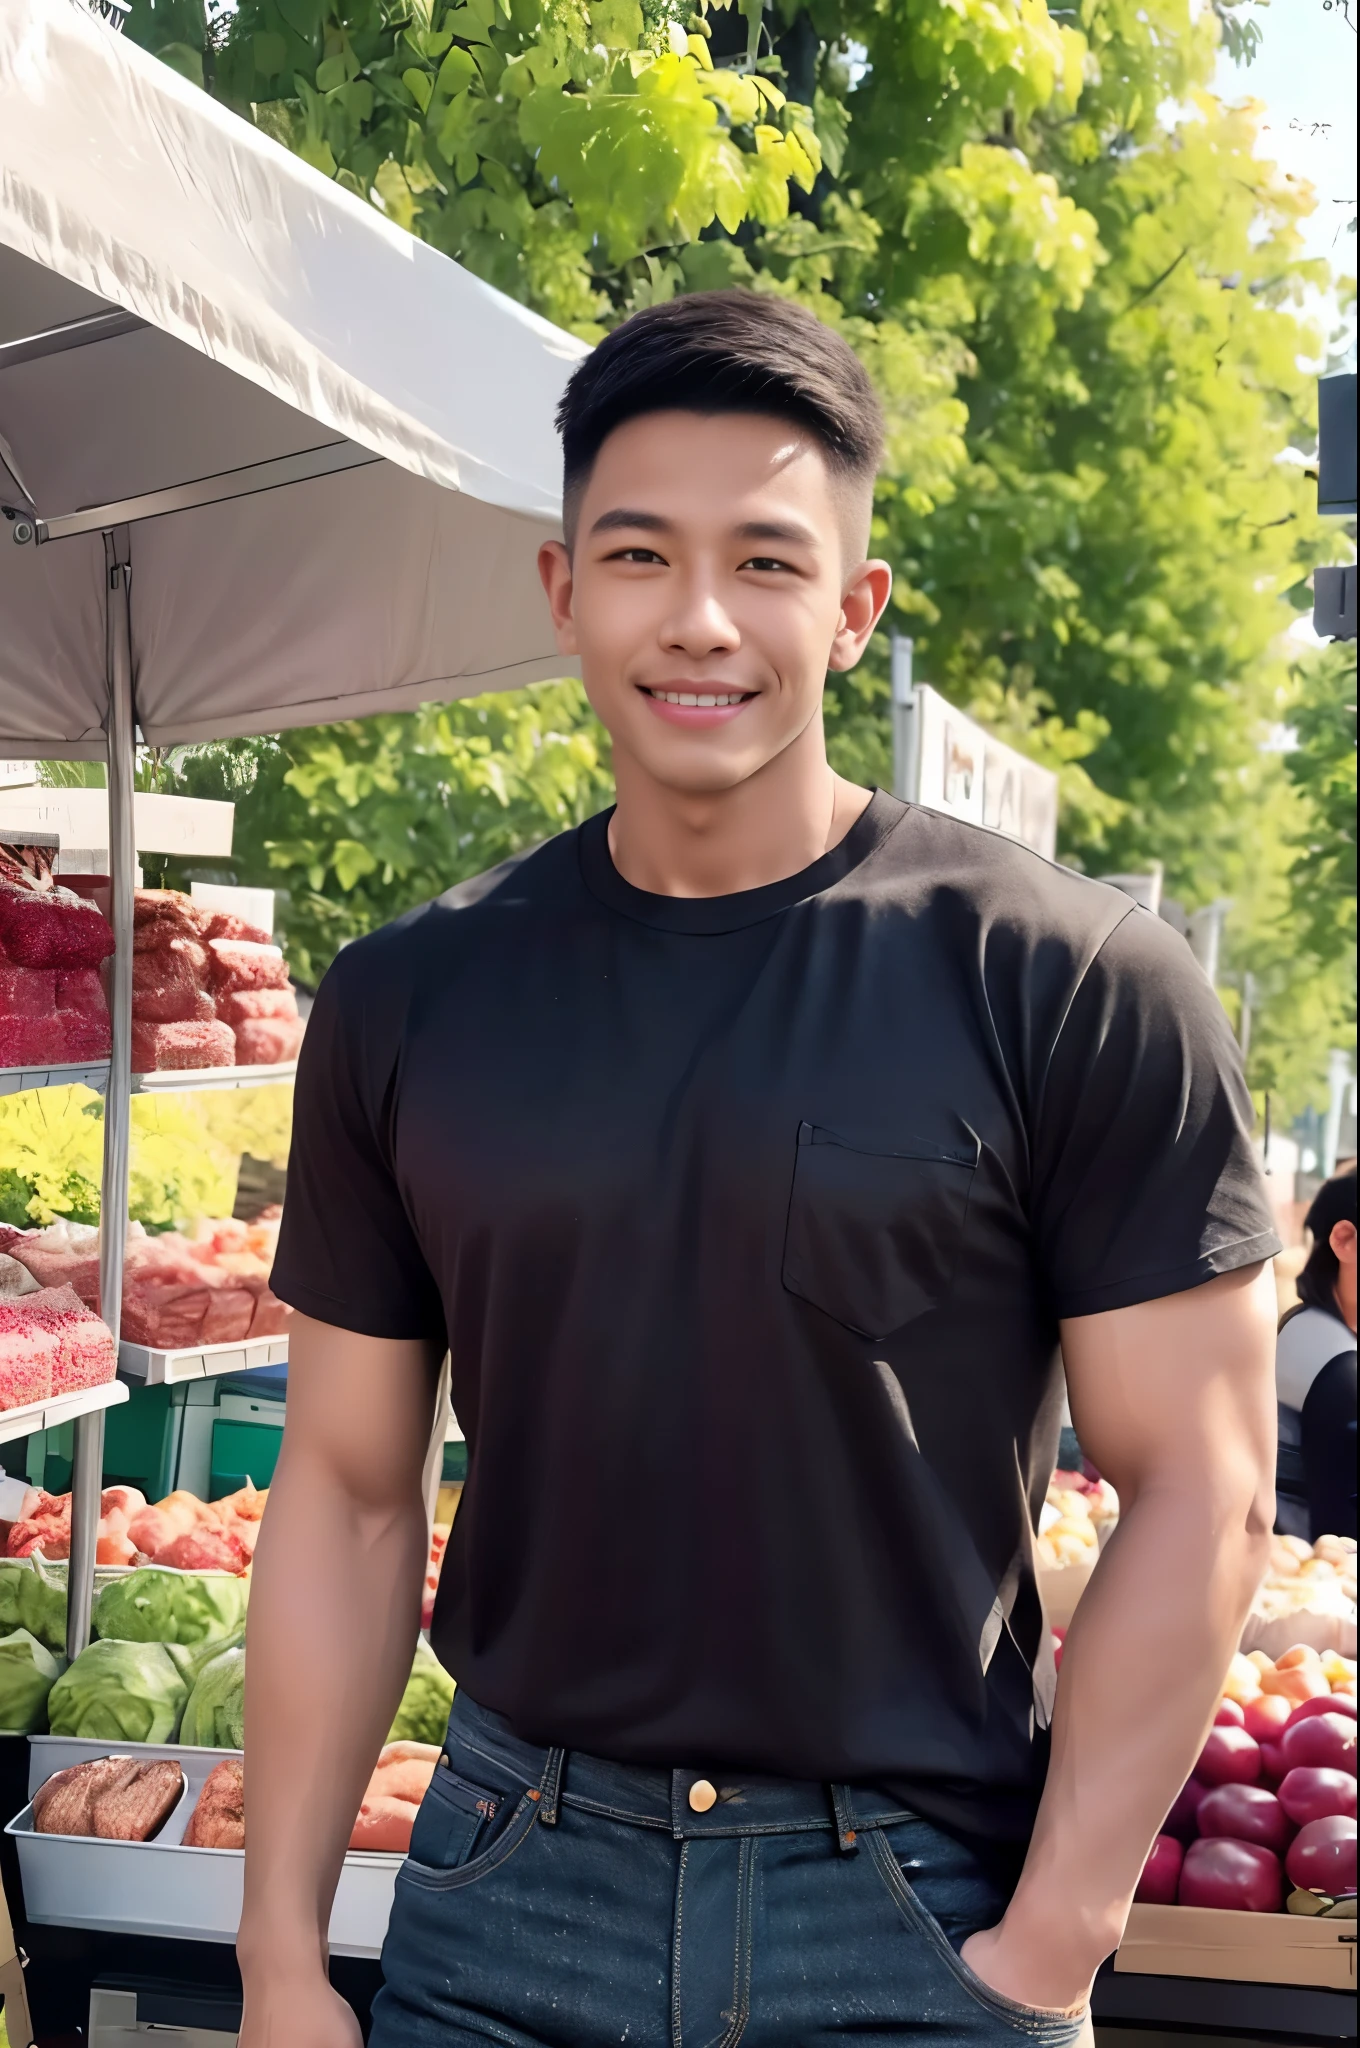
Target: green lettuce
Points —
{"points": [[28, 1672], [157, 1605], [33, 1597], [216, 1714], [423, 1715], [121, 1692]]}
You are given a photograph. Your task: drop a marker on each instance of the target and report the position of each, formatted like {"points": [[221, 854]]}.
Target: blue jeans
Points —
{"points": [[561, 1901]]}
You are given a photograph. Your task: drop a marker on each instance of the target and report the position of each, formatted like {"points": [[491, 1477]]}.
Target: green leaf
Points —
{"points": [[351, 862], [420, 85], [183, 58]]}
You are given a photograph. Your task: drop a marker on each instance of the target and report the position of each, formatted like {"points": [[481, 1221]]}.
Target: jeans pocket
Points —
{"points": [[459, 1824], [1046, 2029]]}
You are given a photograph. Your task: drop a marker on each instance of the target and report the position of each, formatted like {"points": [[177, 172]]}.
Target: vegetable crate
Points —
{"points": [[1248, 1948]]}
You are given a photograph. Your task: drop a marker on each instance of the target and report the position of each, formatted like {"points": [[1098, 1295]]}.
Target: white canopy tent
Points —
{"points": [[265, 461]]}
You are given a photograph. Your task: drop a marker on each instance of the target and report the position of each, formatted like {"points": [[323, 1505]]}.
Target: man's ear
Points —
{"points": [[862, 605], [554, 570]]}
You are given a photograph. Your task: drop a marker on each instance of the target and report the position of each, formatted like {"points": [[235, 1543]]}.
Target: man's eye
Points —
{"points": [[635, 555], [765, 563]]}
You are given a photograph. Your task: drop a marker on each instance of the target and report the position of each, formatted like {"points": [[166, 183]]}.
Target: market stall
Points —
{"points": [[264, 461]]}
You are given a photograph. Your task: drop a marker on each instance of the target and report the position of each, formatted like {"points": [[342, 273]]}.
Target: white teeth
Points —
{"points": [[694, 701]]}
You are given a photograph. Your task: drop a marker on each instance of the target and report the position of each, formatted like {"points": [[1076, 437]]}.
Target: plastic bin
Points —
{"points": [[160, 1887]]}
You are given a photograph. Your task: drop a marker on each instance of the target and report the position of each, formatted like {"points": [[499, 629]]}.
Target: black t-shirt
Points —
{"points": [[749, 1221]]}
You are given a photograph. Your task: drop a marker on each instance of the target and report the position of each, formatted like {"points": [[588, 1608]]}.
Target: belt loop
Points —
{"points": [[550, 1787], [846, 1838]]}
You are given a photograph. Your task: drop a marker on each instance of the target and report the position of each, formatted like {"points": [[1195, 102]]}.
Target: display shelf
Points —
{"points": [[1296, 2013], [203, 1362], [50, 1414], [182, 1080], [78, 1074], [161, 1887]]}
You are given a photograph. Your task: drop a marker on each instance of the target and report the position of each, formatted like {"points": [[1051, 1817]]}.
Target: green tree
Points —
{"points": [[1078, 289]]}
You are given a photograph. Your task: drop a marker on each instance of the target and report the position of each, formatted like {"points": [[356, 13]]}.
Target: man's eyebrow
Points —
{"points": [[624, 516], [778, 530]]}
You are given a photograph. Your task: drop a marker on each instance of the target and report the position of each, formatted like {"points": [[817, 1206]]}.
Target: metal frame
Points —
{"points": [[209, 490]]}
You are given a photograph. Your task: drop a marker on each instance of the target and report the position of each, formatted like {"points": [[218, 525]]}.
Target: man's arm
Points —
{"points": [[1174, 1401], [334, 1611]]}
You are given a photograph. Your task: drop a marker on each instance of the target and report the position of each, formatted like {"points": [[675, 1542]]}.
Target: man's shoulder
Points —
{"points": [[543, 877], [999, 881]]}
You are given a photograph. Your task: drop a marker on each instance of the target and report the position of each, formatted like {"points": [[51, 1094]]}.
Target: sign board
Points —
{"points": [[962, 769], [17, 774], [80, 817]]}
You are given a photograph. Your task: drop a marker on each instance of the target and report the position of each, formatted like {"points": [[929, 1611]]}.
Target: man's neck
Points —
{"points": [[678, 843]]}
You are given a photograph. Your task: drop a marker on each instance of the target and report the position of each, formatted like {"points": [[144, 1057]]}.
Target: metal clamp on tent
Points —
{"points": [[271, 462]]}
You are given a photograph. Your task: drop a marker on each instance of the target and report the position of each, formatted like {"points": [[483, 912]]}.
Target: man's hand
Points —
{"points": [[304, 2013], [1174, 1401], [335, 1593]]}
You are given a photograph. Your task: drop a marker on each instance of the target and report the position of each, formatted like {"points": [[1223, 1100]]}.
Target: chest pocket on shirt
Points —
{"points": [[874, 1236]]}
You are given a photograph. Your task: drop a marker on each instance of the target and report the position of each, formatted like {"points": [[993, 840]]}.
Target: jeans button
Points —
{"points": [[702, 1796]]}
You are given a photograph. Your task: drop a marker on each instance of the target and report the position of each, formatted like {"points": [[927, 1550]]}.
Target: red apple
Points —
{"points": [[1311, 1793], [1273, 1765], [1161, 1873], [1322, 1856], [1325, 1703], [1241, 1876], [1230, 1757], [1229, 1715], [1324, 1740], [1245, 1813], [1182, 1820], [1266, 1717]]}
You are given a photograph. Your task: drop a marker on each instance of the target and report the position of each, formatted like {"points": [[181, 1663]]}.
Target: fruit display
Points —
{"points": [[53, 1008], [1075, 1513], [51, 1343], [180, 1532], [179, 1291], [1308, 1594], [1266, 1823], [117, 1798], [208, 989], [439, 1538]]}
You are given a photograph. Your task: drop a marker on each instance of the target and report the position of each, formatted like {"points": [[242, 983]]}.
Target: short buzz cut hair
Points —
{"points": [[724, 352]]}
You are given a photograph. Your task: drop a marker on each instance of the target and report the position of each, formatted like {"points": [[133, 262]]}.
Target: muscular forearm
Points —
{"points": [[334, 1610], [1142, 1670]]}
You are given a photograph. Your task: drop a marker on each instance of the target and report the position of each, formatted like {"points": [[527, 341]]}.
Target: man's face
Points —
{"points": [[709, 591]]}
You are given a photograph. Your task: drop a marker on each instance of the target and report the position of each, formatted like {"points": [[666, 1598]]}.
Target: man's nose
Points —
{"points": [[700, 623]]}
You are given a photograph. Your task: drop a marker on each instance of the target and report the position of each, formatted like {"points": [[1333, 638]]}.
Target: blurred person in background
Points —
{"points": [[1315, 1374]]}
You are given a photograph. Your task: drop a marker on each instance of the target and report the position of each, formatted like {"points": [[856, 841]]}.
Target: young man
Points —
{"points": [[752, 1149]]}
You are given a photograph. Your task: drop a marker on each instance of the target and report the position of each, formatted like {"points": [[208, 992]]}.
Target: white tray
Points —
{"points": [[83, 1073], [180, 1080], [161, 1887], [204, 1362], [58, 1408]]}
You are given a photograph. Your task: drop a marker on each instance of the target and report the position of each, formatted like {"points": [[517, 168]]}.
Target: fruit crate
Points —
{"points": [[160, 1887], [1245, 1948]]}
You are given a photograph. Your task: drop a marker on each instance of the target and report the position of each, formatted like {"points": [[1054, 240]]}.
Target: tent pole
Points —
{"points": [[87, 1468]]}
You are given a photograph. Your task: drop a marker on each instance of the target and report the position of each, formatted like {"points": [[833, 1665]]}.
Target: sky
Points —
{"points": [[1305, 72]]}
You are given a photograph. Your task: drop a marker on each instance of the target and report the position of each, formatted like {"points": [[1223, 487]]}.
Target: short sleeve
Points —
{"points": [[1144, 1180], [347, 1253]]}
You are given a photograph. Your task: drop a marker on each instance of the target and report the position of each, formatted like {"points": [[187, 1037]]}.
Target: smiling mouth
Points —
{"points": [[700, 700]]}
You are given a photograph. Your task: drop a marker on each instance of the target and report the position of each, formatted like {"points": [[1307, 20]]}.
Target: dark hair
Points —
{"points": [[1333, 1203], [713, 352]]}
